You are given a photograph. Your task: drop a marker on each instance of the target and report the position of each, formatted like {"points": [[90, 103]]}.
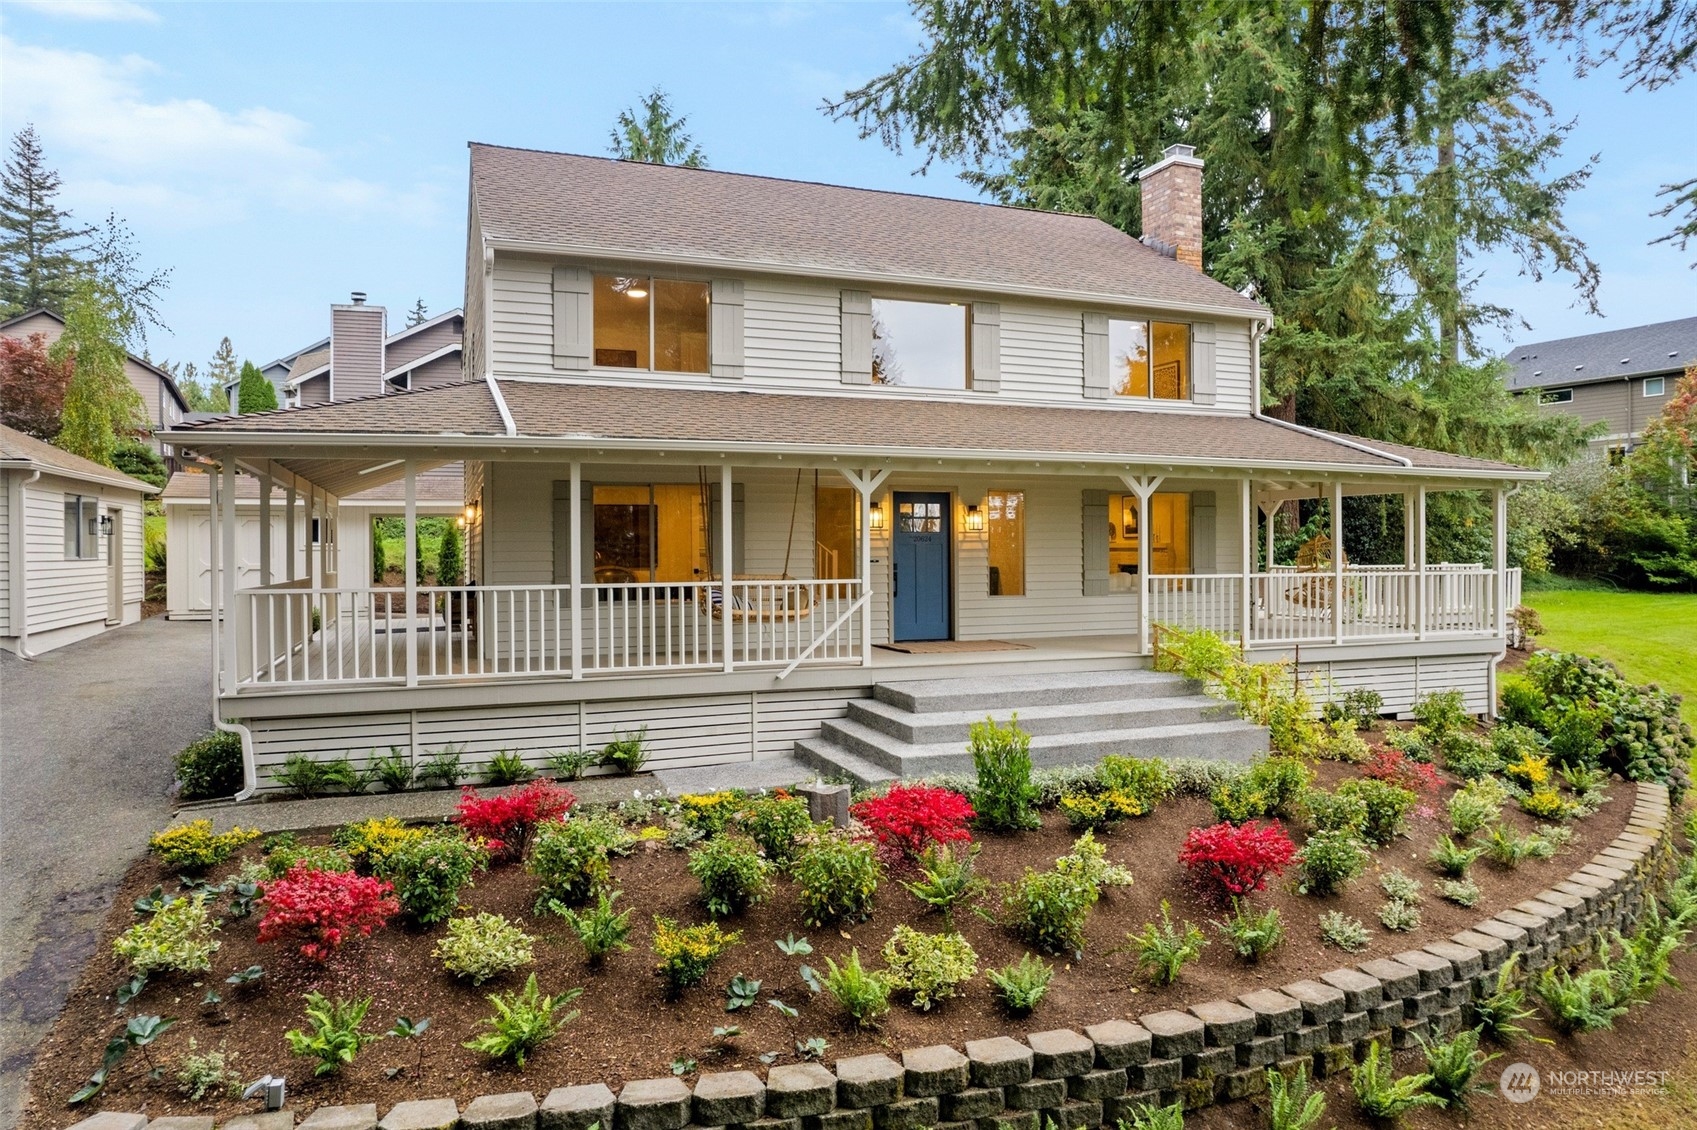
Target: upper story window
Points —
{"points": [[1556, 396], [82, 527], [1149, 359], [650, 323], [1655, 386], [919, 344]]}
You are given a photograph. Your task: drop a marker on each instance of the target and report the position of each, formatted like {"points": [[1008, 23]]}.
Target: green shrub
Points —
{"points": [[627, 753], [285, 857], [600, 929], [429, 873], [193, 847], [1252, 934], [1576, 734], [686, 953], [1020, 987], [1335, 812], [836, 880], [1165, 949], [1385, 1095], [523, 1022], [369, 842], [777, 823], [484, 946], [1398, 915], [1519, 701], [1580, 1002], [571, 858], [1329, 860], [1274, 786], [1470, 757], [1147, 780], [507, 768], [177, 936], [710, 813], [569, 765], [1048, 909], [1454, 1066], [931, 967], [200, 1076], [311, 778], [1451, 859], [1360, 707], [1089, 859], [335, 1038], [210, 767], [1400, 886], [1004, 797], [1338, 741], [1442, 714], [946, 881], [1475, 806], [393, 771], [732, 873], [1643, 737], [441, 769], [1340, 930], [1462, 892], [1291, 1103], [862, 994], [1388, 806]]}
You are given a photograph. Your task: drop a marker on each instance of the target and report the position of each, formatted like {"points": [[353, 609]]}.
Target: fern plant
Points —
{"points": [[1148, 1117], [1580, 1002], [1451, 859], [523, 1022], [601, 929], [1022, 985], [1291, 1103], [946, 881], [506, 768], [1500, 1011], [1382, 1093], [1454, 1065], [862, 993], [1165, 949], [335, 1038], [1252, 934]]}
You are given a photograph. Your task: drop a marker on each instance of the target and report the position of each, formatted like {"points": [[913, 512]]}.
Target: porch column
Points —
{"points": [[726, 620], [1272, 512], [265, 530], [865, 484], [1246, 502], [1142, 487], [1337, 561], [1421, 597], [1408, 529], [412, 573], [1499, 559], [575, 567], [227, 578], [291, 570], [215, 586]]}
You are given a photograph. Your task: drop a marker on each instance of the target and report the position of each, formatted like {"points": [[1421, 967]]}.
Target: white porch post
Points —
{"points": [[726, 620], [575, 567], [1421, 597], [1337, 561], [1499, 559], [265, 530], [411, 574], [1272, 511], [1408, 529], [1142, 487], [291, 570], [215, 561], [227, 577], [1246, 502], [865, 484]]}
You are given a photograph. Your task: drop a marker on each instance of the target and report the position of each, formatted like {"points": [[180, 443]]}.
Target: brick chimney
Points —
{"points": [[1172, 205], [357, 333]]}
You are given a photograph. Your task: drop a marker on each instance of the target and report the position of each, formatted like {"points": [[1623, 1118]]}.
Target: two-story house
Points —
{"points": [[746, 458]]}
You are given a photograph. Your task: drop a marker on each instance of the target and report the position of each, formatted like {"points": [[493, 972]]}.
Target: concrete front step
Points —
{"points": [[954, 726], [833, 761], [1007, 693]]}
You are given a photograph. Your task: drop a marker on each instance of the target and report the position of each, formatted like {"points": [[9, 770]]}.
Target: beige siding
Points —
{"points": [[476, 473], [1620, 406], [792, 333], [314, 391], [61, 593], [423, 341], [7, 479], [356, 351], [442, 371], [1400, 681], [475, 337], [521, 322]]}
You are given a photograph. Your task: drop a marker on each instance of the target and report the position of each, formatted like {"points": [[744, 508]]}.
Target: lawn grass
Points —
{"points": [[1651, 637]]}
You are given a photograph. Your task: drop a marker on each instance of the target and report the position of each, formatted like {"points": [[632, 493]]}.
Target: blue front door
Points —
{"points": [[920, 546]]}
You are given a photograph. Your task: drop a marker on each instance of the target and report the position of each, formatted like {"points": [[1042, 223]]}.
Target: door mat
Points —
{"points": [[945, 647]]}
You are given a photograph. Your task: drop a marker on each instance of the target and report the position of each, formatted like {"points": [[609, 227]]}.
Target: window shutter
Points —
{"points": [[985, 346], [857, 337], [1095, 513], [1096, 357], [1203, 536], [574, 329], [725, 337], [1202, 362], [739, 545]]}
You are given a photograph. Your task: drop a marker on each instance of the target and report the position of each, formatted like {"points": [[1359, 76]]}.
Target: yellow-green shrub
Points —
{"points": [[195, 847], [177, 936], [369, 842]]}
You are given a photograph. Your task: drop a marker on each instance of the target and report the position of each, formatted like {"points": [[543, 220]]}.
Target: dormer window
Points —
{"points": [[651, 323], [1150, 360], [919, 344]]}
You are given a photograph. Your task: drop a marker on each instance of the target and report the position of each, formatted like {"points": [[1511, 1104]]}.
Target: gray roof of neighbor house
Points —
{"points": [[564, 203], [1637, 351], [439, 484], [704, 419], [28, 453], [170, 381]]}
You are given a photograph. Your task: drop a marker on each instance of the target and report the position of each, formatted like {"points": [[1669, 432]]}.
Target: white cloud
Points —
{"points": [[101, 11], [184, 158]]}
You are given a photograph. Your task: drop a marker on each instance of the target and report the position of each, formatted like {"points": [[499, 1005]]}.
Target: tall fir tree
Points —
{"points": [[418, 315], [255, 393], [224, 371], [202, 396], [648, 132], [101, 408], [39, 243]]}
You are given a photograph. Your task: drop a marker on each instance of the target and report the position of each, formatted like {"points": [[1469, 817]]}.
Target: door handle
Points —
{"points": [[895, 578]]}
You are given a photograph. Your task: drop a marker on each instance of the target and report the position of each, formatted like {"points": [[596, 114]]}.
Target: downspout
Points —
{"points": [[20, 562]]}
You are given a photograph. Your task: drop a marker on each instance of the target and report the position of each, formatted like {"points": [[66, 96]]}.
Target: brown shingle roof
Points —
{"points": [[865, 421], [17, 448], [564, 202]]}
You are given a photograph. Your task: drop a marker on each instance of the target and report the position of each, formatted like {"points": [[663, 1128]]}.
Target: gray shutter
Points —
{"points": [[725, 338], [1095, 540], [1203, 533], [562, 532], [984, 344], [574, 330], [739, 544], [857, 337], [1095, 356], [1202, 362]]}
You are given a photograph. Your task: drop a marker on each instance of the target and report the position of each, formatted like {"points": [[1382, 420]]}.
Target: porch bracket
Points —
{"points": [[848, 614], [1142, 486], [865, 482]]}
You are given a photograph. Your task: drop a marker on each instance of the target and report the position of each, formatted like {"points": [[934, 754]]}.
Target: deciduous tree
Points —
{"points": [[101, 406], [32, 386]]}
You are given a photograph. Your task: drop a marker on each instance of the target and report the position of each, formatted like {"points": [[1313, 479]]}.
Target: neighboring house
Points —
{"points": [[745, 456], [70, 546], [1621, 379], [165, 403], [359, 358]]}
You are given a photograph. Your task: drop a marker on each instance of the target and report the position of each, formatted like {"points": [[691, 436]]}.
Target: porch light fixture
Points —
{"points": [[106, 525], [470, 513], [877, 515], [974, 519]]}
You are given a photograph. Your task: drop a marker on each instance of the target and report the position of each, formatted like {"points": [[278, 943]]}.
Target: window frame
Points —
{"points": [[964, 305], [598, 272], [83, 504], [1555, 396], [1149, 324], [996, 591], [1661, 384]]}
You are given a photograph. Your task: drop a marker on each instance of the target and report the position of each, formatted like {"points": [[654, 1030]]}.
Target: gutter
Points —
{"points": [[19, 606], [501, 404]]}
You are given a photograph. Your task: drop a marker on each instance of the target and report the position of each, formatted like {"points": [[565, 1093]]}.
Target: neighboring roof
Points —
{"points": [[429, 323], [288, 359], [308, 365], [1637, 351], [423, 359], [563, 203], [27, 452], [170, 381], [703, 419], [444, 484]]}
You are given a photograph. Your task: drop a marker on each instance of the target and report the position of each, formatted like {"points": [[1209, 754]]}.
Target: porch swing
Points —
{"points": [[1314, 563], [760, 602]]}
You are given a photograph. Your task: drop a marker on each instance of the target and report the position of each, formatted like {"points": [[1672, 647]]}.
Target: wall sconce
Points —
{"points": [[974, 519], [470, 513], [876, 515], [106, 525]]}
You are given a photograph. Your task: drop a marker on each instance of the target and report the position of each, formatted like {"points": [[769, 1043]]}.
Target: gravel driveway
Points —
{"points": [[87, 733]]}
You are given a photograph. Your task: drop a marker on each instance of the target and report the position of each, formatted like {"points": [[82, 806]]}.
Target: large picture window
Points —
{"points": [[649, 533], [919, 344], [1005, 525], [649, 323], [1149, 359], [82, 527], [1168, 533], [836, 518]]}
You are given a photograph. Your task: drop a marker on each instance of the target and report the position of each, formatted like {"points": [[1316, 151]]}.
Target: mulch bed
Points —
{"points": [[627, 1030]]}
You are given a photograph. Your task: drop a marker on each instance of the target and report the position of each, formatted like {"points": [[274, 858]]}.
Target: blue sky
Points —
{"points": [[279, 156]]}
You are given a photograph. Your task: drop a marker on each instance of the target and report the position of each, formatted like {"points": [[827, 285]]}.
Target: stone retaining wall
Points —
{"points": [[1213, 1051]]}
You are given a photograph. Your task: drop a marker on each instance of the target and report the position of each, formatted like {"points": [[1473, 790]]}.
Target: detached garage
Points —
{"points": [[70, 546]]}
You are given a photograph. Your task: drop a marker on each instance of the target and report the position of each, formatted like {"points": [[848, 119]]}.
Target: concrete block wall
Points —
{"points": [[1213, 1051]]}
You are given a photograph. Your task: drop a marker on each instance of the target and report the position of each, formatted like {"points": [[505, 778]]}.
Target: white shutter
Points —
{"points": [[725, 337], [857, 337], [985, 346], [574, 329], [1095, 356], [1095, 540], [1202, 362]]}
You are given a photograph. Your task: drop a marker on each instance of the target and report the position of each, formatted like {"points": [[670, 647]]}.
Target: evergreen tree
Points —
{"points": [[140, 460], [418, 315], [223, 371], [101, 406], [379, 554], [254, 393], [450, 557], [201, 395], [649, 132], [38, 242]]}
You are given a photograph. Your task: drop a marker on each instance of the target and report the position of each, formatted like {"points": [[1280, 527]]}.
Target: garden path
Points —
{"points": [[87, 733]]}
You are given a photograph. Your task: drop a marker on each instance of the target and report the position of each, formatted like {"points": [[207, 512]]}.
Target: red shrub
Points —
{"points": [[506, 821], [1226, 859], [1398, 768], [328, 907], [910, 818]]}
